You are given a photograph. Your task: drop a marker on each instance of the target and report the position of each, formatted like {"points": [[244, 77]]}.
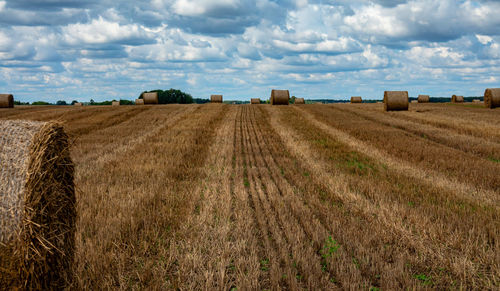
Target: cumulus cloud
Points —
{"points": [[69, 49]]}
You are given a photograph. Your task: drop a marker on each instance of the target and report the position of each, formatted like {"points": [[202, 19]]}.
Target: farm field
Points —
{"points": [[256, 197]]}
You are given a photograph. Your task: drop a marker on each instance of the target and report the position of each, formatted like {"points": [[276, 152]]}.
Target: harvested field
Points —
{"points": [[316, 197]]}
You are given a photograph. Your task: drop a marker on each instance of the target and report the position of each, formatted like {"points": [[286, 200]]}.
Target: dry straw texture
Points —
{"points": [[6, 101], [300, 101], [395, 100], [279, 97], [492, 98], [139, 101], [423, 98], [356, 99], [457, 99], [115, 103], [216, 98], [37, 206], [255, 101], [78, 104], [150, 98]]}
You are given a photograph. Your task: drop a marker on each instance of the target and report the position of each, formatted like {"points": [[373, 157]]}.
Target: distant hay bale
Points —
{"points": [[492, 97], [476, 100], [78, 104], [279, 97], [150, 98], [216, 98], [414, 101], [255, 101], [6, 101], [139, 101], [457, 99], [356, 99], [300, 101], [115, 103], [395, 100], [37, 206], [423, 98], [380, 102]]}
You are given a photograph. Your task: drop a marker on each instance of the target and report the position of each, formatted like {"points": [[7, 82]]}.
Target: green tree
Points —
{"points": [[61, 102]]}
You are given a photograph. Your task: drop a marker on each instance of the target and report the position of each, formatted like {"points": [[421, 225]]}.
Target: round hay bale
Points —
{"points": [[150, 98], [139, 101], [476, 100], [279, 97], [78, 104], [457, 99], [115, 103], [492, 97], [6, 101], [255, 101], [216, 98], [423, 98], [300, 101], [414, 101], [395, 100], [356, 99], [37, 206]]}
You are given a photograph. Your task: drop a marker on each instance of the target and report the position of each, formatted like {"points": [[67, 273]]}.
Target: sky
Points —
{"points": [[110, 49]]}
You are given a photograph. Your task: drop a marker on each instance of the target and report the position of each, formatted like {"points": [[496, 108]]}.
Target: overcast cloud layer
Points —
{"points": [[68, 49]]}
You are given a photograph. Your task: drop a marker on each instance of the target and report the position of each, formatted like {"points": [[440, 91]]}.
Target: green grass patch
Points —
{"points": [[494, 159]]}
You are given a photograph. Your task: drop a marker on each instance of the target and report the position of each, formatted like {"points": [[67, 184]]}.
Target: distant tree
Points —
{"points": [[40, 103], [73, 102], [172, 96], [61, 102], [20, 103], [92, 101], [126, 102], [292, 100]]}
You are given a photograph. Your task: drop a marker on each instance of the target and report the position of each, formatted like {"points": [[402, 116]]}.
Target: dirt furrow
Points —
{"points": [[277, 261], [303, 232]]}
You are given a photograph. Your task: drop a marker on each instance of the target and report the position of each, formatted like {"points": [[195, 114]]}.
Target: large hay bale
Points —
{"points": [[115, 103], [279, 97], [139, 101], [150, 98], [457, 99], [300, 101], [492, 97], [255, 101], [423, 98], [37, 206], [6, 101], [395, 100], [356, 99], [216, 98], [78, 104]]}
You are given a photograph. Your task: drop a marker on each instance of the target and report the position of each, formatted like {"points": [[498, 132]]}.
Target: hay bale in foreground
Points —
{"points": [[423, 98], [279, 97], [216, 98], [255, 101], [150, 98], [356, 99], [37, 206], [457, 99], [6, 101], [139, 101], [300, 101], [115, 103], [78, 104], [492, 98], [395, 100]]}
